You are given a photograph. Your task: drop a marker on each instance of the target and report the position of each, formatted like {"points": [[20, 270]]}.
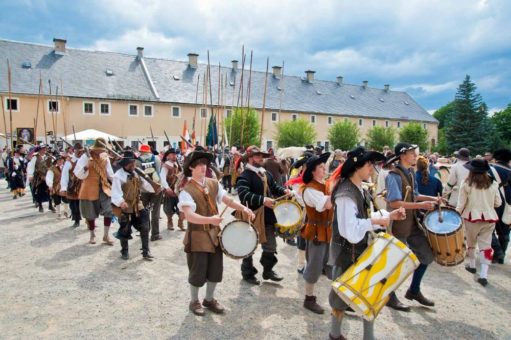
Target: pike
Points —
{"points": [[139, 171], [264, 102], [5, 122], [37, 110], [74, 133], [9, 75], [187, 142], [62, 104], [52, 114], [248, 97], [194, 111], [152, 136], [167, 137]]}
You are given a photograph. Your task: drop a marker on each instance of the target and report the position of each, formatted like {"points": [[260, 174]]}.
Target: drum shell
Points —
{"points": [[379, 270], [290, 229], [448, 248]]}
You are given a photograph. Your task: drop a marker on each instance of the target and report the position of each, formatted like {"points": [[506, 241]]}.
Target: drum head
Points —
{"points": [[239, 239], [451, 221], [288, 213]]}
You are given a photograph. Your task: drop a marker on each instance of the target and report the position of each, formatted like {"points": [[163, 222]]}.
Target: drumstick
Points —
{"points": [[408, 189], [283, 196], [440, 218], [223, 211]]}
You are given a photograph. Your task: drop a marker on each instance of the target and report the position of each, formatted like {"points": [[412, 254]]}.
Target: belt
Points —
{"points": [[205, 227], [319, 222]]}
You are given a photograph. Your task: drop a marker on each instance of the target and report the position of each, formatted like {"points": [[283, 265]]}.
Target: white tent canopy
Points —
{"points": [[91, 134]]}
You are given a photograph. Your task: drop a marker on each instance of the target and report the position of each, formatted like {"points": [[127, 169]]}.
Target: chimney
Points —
{"points": [[60, 45], [386, 87], [140, 53], [234, 65], [277, 71], [192, 60], [364, 84], [310, 75], [339, 80]]}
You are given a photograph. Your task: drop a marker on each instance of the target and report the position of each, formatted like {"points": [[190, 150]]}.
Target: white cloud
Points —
{"points": [[430, 88]]}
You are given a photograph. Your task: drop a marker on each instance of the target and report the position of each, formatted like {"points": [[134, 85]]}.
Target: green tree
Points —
{"points": [[379, 136], [344, 135], [468, 122], [414, 133], [502, 122], [441, 146], [246, 121], [444, 114], [295, 133]]}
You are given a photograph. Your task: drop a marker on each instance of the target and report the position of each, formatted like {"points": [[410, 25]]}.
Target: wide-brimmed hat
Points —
{"points": [[40, 147], [357, 158], [311, 164], [127, 158], [401, 148], [463, 154], [168, 152], [99, 144], [194, 156], [302, 160], [478, 165], [254, 151], [442, 162], [502, 155]]}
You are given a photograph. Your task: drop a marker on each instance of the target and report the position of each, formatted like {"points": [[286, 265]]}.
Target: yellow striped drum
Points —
{"points": [[380, 270]]}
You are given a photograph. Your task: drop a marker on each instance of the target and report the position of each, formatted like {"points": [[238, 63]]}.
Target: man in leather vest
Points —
{"points": [[255, 187], [70, 184], [402, 192], [353, 221], [53, 176], [151, 165], [126, 189], [199, 201], [96, 174], [169, 174], [318, 228]]}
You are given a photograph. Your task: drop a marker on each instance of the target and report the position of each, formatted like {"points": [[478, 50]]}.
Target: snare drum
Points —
{"points": [[238, 239], [446, 238], [379, 270], [289, 216]]}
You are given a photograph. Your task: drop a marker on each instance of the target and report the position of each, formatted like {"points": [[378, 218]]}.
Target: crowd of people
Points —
{"points": [[345, 196]]}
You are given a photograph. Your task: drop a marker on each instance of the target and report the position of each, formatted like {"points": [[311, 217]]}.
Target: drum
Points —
{"points": [[446, 238], [289, 216], [238, 239], [379, 270]]}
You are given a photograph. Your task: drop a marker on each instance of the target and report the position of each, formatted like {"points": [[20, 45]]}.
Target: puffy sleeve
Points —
{"points": [[186, 200], [315, 198], [350, 226]]}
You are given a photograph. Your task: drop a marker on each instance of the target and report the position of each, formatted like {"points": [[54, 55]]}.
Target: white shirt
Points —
{"points": [[31, 166], [315, 198], [64, 178], [84, 160], [49, 178], [120, 177], [259, 170], [186, 200], [350, 226], [163, 173], [220, 165], [457, 175]]}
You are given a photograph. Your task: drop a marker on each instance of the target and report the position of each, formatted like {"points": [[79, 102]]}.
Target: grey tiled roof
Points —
{"points": [[83, 74]]}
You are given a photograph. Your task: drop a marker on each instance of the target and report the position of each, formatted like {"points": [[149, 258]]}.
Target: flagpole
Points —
{"points": [[44, 114], [37, 112], [248, 96], [195, 109], [264, 102]]}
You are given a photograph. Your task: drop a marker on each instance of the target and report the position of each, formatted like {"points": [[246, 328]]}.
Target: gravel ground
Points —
{"points": [[54, 285]]}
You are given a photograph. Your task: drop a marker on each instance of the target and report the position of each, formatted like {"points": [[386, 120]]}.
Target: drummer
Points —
{"points": [[402, 192], [318, 228], [199, 201], [351, 226]]}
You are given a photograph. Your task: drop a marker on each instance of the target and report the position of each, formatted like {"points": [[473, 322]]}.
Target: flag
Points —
{"points": [[186, 136], [212, 136]]}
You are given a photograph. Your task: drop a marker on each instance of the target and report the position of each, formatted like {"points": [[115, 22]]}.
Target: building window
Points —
{"points": [[294, 117], [398, 124], [104, 109], [203, 113], [330, 120], [134, 144], [386, 123], [274, 116], [53, 105], [88, 108], [133, 110], [228, 113], [176, 111], [12, 104], [269, 145], [360, 122], [374, 122], [424, 125], [148, 110], [327, 146], [313, 119]]}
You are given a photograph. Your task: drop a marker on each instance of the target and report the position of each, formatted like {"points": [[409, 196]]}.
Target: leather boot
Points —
{"points": [[311, 304], [394, 303]]}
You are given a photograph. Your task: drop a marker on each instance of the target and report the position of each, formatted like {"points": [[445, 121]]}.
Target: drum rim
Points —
{"points": [[443, 234], [226, 253], [294, 202]]}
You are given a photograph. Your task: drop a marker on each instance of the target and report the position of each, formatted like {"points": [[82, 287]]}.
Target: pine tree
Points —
{"points": [[466, 128]]}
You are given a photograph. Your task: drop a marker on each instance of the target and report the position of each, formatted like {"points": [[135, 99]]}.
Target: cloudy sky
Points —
{"points": [[425, 47]]}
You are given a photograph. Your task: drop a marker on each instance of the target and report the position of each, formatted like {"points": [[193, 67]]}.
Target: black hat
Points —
{"points": [[311, 164], [301, 161], [463, 154], [358, 157], [502, 155], [127, 158], [78, 146], [194, 156], [477, 165], [401, 148], [168, 152]]}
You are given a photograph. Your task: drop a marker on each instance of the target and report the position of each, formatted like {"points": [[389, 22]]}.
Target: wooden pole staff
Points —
{"points": [[52, 113], [9, 80], [62, 105], [5, 123], [264, 102], [195, 109], [37, 109]]}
